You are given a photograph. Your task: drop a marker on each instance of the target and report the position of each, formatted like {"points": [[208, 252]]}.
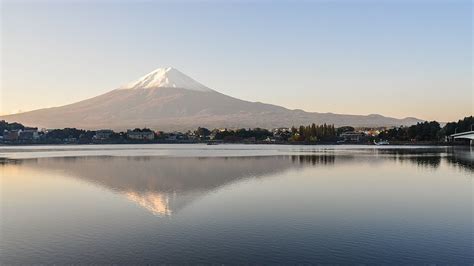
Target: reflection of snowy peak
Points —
{"points": [[166, 78], [156, 203]]}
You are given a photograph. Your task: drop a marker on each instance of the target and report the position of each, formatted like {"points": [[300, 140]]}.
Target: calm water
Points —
{"points": [[236, 204]]}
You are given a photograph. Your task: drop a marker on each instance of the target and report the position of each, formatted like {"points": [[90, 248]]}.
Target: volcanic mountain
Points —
{"points": [[167, 99]]}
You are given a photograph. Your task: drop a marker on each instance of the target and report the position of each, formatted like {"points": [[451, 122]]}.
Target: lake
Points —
{"points": [[139, 204]]}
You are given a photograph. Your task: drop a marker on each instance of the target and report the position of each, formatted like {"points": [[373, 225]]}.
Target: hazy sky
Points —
{"points": [[396, 58]]}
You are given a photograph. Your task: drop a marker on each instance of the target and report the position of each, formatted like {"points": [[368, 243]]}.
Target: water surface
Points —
{"points": [[133, 204]]}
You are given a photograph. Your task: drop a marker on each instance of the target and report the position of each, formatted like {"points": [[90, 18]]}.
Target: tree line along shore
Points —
{"points": [[429, 132]]}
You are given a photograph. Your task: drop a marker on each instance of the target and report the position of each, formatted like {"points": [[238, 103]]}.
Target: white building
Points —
{"points": [[140, 135]]}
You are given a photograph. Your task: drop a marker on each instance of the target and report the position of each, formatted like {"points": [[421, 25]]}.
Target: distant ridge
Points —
{"points": [[167, 99]]}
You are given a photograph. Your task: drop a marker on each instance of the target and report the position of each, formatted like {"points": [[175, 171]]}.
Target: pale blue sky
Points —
{"points": [[396, 58]]}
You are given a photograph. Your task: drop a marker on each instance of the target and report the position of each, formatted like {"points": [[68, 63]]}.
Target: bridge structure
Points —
{"points": [[464, 135]]}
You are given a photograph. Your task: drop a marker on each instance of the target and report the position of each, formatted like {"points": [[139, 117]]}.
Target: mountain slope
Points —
{"points": [[166, 99]]}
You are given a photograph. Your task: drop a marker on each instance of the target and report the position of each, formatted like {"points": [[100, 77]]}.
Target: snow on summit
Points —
{"points": [[166, 78]]}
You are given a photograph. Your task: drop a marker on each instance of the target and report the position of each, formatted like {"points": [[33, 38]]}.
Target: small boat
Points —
{"points": [[212, 143], [382, 142]]}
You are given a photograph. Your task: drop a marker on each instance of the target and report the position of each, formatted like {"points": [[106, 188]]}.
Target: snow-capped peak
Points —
{"points": [[166, 78]]}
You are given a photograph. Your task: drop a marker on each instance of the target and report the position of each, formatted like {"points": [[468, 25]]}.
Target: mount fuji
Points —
{"points": [[167, 99]]}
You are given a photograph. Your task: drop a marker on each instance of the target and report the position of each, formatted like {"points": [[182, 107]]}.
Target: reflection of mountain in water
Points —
{"points": [[164, 185]]}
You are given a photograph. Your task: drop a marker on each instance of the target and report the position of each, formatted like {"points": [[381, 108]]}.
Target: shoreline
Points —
{"points": [[243, 143]]}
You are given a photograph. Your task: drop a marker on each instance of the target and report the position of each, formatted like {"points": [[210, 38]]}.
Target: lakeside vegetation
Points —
{"points": [[426, 132]]}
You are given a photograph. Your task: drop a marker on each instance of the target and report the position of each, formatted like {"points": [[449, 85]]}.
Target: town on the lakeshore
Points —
{"points": [[421, 133]]}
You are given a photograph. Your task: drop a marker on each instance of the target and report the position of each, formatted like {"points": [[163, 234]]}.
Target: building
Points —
{"points": [[268, 139], [171, 137], [190, 135], [103, 134], [140, 135], [176, 136], [372, 132], [281, 130], [281, 134], [28, 134], [352, 136], [11, 135]]}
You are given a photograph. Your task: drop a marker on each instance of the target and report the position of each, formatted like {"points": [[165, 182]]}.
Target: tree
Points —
{"points": [[202, 132], [313, 130], [460, 126], [10, 126], [66, 133], [426, 131]]}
